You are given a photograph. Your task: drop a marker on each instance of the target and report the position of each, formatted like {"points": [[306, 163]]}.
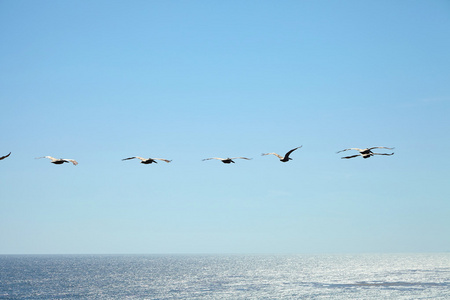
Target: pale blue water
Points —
{"points": [[362, 276]]}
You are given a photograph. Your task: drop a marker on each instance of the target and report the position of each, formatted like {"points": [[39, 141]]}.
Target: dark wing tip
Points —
{"points": [[129, 158], [5, 155]]}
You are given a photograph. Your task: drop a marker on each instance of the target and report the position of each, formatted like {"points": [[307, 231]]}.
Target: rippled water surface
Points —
{"points": [[363, 276]]}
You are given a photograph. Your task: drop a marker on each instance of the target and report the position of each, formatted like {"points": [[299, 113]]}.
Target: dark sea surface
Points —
{"points": [[359, 276]]}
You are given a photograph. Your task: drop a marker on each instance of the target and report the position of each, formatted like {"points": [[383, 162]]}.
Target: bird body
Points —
{"points": [[227, 160], [284, 158], [3, 157], [60, 161], [148, 160], [365, 153]]}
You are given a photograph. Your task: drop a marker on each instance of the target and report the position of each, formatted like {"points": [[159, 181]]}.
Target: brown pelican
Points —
{"points": [[286, 156], [227, 160], [3, 157], [59, 161], [148, 160], [365, 153]]}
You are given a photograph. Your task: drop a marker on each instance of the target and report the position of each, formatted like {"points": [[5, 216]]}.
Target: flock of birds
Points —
{"points": [[365, 153]]}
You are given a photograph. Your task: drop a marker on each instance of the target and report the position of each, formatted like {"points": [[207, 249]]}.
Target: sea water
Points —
{"points": [[358, 276]]}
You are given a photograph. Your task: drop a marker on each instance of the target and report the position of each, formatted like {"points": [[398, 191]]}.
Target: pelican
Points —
{"points": [[366, 153], [286, 156], [227, 160], [59, 161], [3, 157], [148, 160]]}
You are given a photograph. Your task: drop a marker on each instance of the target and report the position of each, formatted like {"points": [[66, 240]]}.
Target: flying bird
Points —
{"points": [[3, 157], [59, 161], [284, 158], [227, 160], [148, 160], [366, 153]]}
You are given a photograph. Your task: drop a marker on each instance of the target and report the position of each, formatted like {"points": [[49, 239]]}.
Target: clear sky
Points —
{"points": [[98, 81]]}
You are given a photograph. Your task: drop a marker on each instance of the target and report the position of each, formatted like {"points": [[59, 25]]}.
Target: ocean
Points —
{"points": [[334, 276]]}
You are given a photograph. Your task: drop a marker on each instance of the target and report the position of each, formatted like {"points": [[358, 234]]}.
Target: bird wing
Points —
{"points": [[5, 156], [273, 153], [214, 158], [72, 161], [347, 157], [49, 157], [290, 151], [129, 158], [357, 149], [383, 154], [141, 158], [381, 148], [166, 160], [241, 158]]}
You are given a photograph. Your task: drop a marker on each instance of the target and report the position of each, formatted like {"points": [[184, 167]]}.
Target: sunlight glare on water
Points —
{"points": [[399, 276]]}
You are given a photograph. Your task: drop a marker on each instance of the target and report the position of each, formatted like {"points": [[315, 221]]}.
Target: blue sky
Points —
{"points": [[98, 81]]}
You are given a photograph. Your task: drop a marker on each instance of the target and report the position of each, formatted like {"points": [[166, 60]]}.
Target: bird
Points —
{"points": [[365, 153], [284, 158], [148, 160], [227, 160], [3, 157], [59, 161]]}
